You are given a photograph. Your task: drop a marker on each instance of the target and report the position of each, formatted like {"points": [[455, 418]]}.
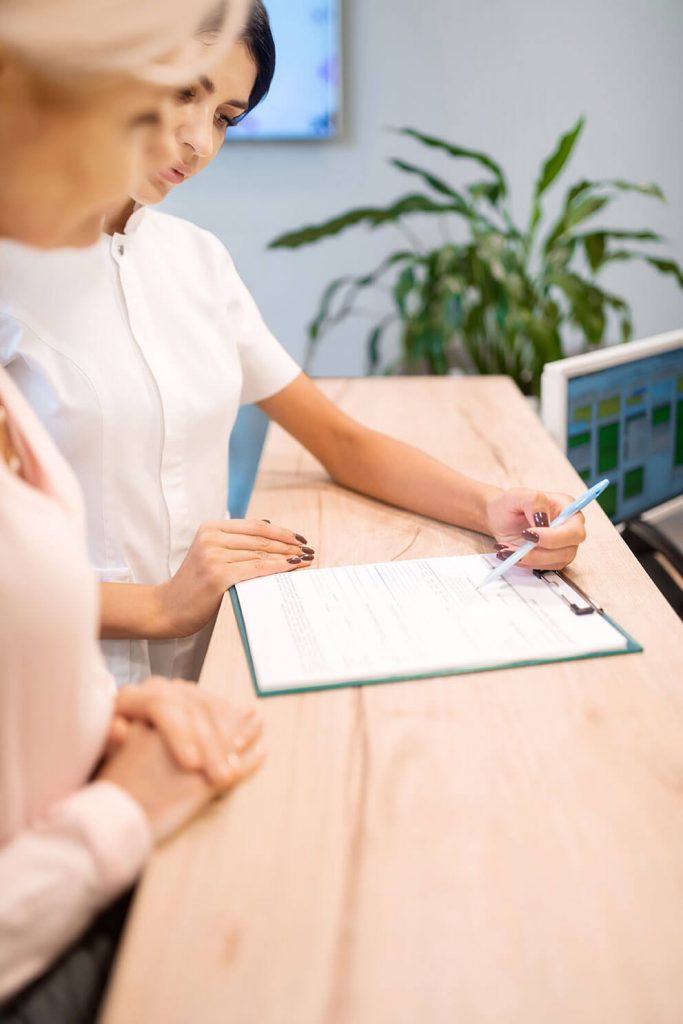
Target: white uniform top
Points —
{"points": [[136, 354]]}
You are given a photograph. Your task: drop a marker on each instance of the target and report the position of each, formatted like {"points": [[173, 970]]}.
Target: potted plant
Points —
{"points": [[500, 300]]}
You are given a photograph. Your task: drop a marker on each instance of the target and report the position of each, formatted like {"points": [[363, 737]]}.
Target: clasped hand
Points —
{"points": [[173, 747]]}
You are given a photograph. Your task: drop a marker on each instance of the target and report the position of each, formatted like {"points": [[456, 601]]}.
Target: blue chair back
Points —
{"points": [[246, 445]]}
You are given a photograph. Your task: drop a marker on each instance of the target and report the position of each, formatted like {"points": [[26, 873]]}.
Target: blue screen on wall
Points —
{"points": [[303, 102]]}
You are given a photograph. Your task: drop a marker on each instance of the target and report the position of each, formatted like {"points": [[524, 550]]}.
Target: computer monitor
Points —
{"points": [[618, 413]]}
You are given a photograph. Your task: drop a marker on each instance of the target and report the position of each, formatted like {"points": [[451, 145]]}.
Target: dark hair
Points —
{"points": [[258, 38]]}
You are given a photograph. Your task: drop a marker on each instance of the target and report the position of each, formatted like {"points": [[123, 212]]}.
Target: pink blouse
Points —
{"points": [[67, 847]]}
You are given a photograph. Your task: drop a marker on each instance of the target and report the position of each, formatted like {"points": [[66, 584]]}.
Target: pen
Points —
{"points": [[565, 514]]}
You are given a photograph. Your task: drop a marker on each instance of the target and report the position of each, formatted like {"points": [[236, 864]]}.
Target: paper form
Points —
{"points": [[326, 627]]}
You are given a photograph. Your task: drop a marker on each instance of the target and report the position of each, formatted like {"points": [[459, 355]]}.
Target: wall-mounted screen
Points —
{"points": [[303, 102]]}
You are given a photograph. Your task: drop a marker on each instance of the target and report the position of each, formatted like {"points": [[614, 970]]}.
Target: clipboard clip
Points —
{"points": [[577, 599]]}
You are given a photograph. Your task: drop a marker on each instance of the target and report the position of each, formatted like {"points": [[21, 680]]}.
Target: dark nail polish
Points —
{"points": [[531, 535], [307, 558], [500, 547], [541, 519], [502, 555], [294, 561], [266, 521], [308, 551], [302, 540]]}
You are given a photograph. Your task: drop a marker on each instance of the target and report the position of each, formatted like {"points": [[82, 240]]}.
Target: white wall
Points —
{"points": [[504, 76]]}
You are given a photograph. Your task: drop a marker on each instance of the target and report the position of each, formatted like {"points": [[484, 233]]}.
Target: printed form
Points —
{"points": [[363, 623]]}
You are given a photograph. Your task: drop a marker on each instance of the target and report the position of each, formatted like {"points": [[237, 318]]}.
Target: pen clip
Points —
{"points": [[578, 601]]}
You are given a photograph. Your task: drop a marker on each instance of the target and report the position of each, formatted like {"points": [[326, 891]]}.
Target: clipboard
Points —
{"points": [[569, 595]]}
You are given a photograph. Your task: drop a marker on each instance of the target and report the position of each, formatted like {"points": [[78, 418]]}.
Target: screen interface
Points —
{"points": [[626, 423], [303, 102]]}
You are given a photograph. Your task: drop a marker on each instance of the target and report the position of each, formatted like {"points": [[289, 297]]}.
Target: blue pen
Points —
{"points": [[564, 515]]}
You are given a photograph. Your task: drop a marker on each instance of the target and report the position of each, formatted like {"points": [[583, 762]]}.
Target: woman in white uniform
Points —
{"points": [[139, 375]]}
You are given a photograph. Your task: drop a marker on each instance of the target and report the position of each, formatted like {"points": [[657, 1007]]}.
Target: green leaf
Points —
{"points": [[631, 236], [619, 184], [663, 266], [365, 280], [586, 303], [323, 309], [489, 190], [666, 267], [430, 179], [460, 151], [549, 172], [373, 216], [595, 246], [649, 189], [558, 158], [577, 190], [588, 306], [355, 285], [579, 211], [626, 326], [374, 339], [403, 287], [436, 353], [590, 204]]}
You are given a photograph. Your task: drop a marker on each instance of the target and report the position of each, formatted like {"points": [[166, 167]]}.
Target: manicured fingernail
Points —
{"points": [[302, 540], [541, 519], [502, 555], [500, 547], [307, 558], [308, 551], [265, 520], [531, 535], [294, 561]]}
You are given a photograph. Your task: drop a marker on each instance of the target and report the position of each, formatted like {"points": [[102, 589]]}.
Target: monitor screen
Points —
{"points": [[303, 102], [626, 422]]}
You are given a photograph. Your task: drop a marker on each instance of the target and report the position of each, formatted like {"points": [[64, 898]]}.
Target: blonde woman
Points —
{"points": [[88, 780], [144, 417]]}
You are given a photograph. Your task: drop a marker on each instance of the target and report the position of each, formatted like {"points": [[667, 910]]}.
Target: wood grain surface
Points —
{"points": [[502, 847]]}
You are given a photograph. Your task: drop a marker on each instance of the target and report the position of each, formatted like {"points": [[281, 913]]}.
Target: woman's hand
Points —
{"points": [[202, 731], [517, 516], [168, 794], [224, 553]]}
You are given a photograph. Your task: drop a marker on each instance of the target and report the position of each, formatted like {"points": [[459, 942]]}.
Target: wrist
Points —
{"points": [[131, 611], [484, 497], [161, 618]]}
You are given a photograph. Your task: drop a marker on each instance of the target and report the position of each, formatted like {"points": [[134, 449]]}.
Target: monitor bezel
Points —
{"points": [[556, 375]]}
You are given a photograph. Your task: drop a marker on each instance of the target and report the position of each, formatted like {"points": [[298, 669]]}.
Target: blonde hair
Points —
{"points": [[161, 41]]}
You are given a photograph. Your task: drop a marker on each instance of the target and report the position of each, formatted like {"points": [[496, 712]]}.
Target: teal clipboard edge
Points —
{"points": [[632, 647]]}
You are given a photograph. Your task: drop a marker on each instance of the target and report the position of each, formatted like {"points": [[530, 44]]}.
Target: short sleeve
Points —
{"points": [[266, 367]]}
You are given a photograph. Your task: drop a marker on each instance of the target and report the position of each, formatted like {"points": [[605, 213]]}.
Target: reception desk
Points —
{"points": [[500, 847]]}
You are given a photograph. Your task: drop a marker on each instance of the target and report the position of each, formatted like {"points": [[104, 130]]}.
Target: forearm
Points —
{"points": [[54, 877], [394, 472], [131, 611], [372, 463]]}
